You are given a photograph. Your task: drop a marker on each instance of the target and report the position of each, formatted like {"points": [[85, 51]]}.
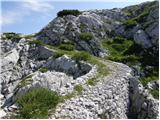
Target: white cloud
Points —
{"points": [[25, 9], [37, 6]]}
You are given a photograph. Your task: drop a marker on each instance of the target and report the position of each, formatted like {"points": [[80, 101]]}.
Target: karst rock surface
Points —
{"points": [[118, 95]]}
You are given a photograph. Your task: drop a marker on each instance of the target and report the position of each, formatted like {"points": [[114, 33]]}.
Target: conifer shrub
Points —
{"points": [[68, 12]]}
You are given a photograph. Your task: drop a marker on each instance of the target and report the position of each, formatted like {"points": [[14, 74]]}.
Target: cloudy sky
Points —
{"points": [[29, 16]]}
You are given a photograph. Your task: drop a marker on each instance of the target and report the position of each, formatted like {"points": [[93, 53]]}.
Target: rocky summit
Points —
{"points": [[95, 64]]}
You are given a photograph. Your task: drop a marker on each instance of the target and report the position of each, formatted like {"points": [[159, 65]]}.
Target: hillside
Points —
{"points": [[84, 64]]}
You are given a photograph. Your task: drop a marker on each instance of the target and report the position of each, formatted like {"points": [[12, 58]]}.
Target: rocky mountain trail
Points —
{"points": [[95, 64]]}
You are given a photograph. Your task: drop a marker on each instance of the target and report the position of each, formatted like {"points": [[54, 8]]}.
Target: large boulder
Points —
{"points": [[142, 38], [69, 66], [143, 105]]}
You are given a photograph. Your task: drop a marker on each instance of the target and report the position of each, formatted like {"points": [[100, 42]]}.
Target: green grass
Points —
{"points": [[155, 93], [86, 36], [148, 79], [92, 82], [57, 55], [69, 96], [43, 70], [68, 47], [119, 48], [78, 88], [29, 36], [130, 23], [37, 42], [37, 103], [81, 56]]}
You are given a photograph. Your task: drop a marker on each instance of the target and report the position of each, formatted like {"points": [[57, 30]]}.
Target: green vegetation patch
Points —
{"points": [[81, 56], [12, 36], [86, 36], [130, 23], [141, 18], [69, 96], [57, 55], [155, 93], [43, 70], [37, 42], [37, 103], [68, 12], [119, 48], [68, 47], [92, 82], [78, 88], [151, 75], [29, 36]]}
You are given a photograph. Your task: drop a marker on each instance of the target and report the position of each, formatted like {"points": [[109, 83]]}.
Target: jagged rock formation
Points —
{"points": [[38, 62]]}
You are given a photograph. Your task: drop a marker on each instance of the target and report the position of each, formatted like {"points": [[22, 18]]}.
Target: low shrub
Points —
{"points": [[81, 56], [12, 36], [119, 39], [36, 103], [37, 42], [130, 23], [68, 12], [118, 47], [155, 93], [147, 24], [68, 47], [148, 79], [86, 36]]}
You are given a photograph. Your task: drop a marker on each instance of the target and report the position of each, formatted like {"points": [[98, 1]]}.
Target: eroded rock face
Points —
{"points": [[69, 66], [142, 38], [143, 105]]}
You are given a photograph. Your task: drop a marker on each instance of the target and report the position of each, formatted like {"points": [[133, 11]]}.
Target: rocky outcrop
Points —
{"points": [[143, 105], [21, 71], [105, 23], [68, 66]]}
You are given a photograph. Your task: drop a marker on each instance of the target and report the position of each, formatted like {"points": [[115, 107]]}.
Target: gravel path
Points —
{"points": [[109, 98]]}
